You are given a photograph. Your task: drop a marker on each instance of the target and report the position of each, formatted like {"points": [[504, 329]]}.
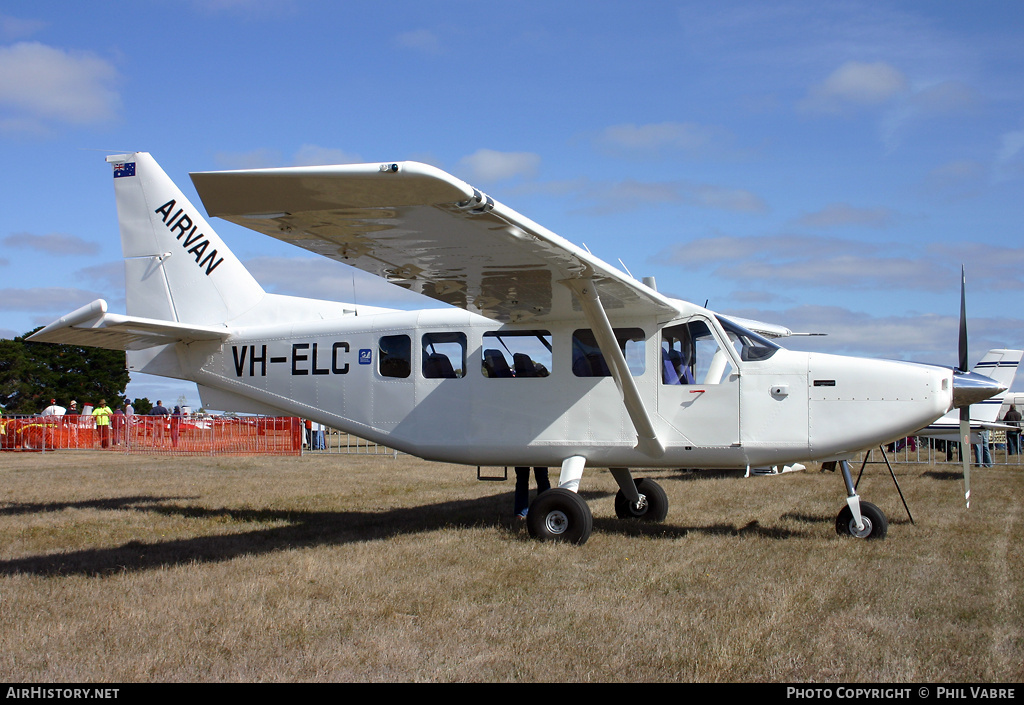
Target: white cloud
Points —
{"points": [[827, 263], [735, 249], [842, 214], [314, 155], [488, 165], [39, 84], [56, 299], [1010, 145], [422, 40], [323, 278], [927, 338], [54, 244], [944, 97], [655, 138], [16, 28], [306, 155], [854, 85], [109, 276], [630, 194], [253, 159]]}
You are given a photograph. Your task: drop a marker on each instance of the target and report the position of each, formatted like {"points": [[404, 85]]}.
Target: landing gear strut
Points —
{"points": [[560, 514], [861, 520], [641, 499]]}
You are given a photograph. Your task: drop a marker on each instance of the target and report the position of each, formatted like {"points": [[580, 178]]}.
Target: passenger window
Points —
{"points": [[444, 355], [395, 356], [587, 360], [520, 353], [690, 354]]}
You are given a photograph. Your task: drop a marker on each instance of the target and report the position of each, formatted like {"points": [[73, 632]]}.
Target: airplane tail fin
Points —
{"points": [[1001, 365], [176, 267]]}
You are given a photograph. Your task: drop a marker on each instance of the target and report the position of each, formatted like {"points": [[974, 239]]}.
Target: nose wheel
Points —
{"points": [[874, 525]]}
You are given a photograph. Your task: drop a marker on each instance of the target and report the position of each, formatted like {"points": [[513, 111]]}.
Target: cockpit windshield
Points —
{"points": [[750, 346]]}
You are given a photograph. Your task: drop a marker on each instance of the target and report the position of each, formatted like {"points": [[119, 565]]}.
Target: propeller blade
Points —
{"points": [[965, 450], [963, 321]]}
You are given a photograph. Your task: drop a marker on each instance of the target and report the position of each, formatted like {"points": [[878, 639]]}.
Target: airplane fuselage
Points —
{"points": [[377, 376]]}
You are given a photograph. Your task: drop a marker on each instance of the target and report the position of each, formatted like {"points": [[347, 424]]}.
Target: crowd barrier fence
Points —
{"points": [[284, 435], [171, 435]]}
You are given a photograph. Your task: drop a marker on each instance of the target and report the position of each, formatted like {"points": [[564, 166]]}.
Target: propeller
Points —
{"points": [[965, 411]]}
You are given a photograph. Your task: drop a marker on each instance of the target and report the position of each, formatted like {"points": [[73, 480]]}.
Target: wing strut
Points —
{"points": [[648, 442]]}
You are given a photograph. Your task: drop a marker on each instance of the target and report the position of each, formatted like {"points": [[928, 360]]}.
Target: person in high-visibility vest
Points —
{"points": [[102, 414]]}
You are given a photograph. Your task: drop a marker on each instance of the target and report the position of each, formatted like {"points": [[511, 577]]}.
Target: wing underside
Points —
{"points": [[426, 231]]}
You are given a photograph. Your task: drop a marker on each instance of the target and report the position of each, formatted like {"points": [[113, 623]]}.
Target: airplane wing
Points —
{"points": [[91, 325], [425, 230]]}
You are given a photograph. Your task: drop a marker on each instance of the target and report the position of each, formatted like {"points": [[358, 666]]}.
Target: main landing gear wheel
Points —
{"points": [[560, 515], [653, 505], [875, 524]]}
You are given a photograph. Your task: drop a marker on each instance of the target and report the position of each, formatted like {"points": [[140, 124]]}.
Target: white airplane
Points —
{"points": [[550, 357], [1000, 365]]}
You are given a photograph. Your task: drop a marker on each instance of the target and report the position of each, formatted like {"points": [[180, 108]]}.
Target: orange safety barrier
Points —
{"points": [[248, 435]]}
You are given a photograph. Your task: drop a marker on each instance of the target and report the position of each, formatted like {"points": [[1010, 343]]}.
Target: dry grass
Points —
{"points": [[353, 568]]}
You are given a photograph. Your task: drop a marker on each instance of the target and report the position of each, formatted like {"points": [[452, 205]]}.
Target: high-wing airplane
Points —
{"points": [[549, 356]]}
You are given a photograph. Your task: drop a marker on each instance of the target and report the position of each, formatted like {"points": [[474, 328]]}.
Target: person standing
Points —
{"points": [[129, 420], [160, 412], [71, 416], [982, 451], [102, 414], [118, 425], [522, 497], [1012, 419], [175, 426]]}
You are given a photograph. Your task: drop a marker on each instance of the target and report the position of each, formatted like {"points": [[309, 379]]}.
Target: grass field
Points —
{"points": [[354, 568]]}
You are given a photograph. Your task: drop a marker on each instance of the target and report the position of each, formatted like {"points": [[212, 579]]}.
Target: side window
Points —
{"points": [[587, 360], [690, 354], [395, 356], [444, 355], [520, 353]]}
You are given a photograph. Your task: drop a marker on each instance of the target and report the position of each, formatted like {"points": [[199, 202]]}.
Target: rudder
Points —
{"points": [[176, 266]]}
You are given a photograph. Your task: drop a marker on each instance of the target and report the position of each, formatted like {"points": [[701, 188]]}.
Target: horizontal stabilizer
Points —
{"points": [[92, 326]]}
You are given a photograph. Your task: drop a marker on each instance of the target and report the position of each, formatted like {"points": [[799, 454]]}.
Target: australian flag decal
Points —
{"points": [[124, 169]]}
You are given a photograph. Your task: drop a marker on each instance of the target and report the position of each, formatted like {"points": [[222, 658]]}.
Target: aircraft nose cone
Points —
{"points": [[971, 388]]}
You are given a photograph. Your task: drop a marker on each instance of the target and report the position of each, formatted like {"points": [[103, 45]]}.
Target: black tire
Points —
{"points": [[653, 502], [560, 515], [876, 526]]}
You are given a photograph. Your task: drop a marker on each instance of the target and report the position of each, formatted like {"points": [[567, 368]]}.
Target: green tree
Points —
{"points": [[33, 373]]}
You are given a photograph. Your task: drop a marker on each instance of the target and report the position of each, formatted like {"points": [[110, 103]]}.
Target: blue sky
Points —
{"points": [[825, 166]]}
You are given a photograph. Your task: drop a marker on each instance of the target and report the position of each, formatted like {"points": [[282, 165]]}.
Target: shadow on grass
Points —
{"points": [[112, 504], [639, 528], [300, 529], [944, 474]]}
